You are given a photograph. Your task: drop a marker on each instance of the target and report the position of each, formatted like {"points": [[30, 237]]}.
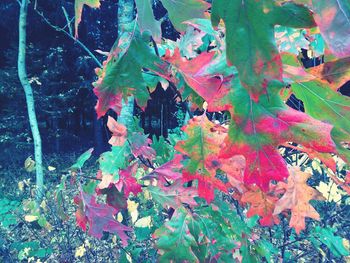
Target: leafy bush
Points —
{"points": [[225, 191]]}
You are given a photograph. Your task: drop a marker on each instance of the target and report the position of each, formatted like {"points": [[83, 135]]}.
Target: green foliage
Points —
{"points": [[334, 243], [188, 194], [82, 159], [7, 216], [30, 249]]}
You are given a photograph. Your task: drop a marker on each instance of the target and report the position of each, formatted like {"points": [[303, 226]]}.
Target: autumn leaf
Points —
{"points": [[170, 171], [139, 144], [78, 8], [202, 147], [121, 75], [146, 20], [175, 240], [114, 198], [124, 181], [180, 11], [99, 217], [297, 199], [127, 181], [118, 130], [250, 42], [257, 129], [173, 195], [262, 204], [332, 73], [210, 86], [203, 143], [333, 19], [206, 185]]}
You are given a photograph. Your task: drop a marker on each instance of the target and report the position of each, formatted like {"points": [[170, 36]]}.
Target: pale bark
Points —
{"points": [[22, 74], [125, 23]]}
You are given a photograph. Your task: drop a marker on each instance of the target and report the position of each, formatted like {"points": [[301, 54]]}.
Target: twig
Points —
{"points": [[68, 21], [90, 177], [59, 29]]}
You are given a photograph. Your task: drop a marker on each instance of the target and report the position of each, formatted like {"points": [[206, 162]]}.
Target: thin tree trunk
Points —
{"points": [[125, 19], [22, 74]]}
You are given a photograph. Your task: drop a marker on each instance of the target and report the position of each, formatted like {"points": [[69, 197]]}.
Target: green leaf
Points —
{"points": [[266, 250], [122, 75], [175, 240], [164, 150], [329, 106], [250, 42], [324, 104], [333, 242], [146, 20], [180, 11], [82, 159], [110, 162]]}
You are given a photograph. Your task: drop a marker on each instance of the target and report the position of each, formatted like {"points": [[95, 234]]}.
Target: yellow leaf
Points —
{"points": [[146, 194], [80, 251], [132, 208], [119, 217], [144, 222], [330, 191], [43, 205], [29, 164], [26, 251], [51, 168], [30, 218], [316, 166], [21, 186]]}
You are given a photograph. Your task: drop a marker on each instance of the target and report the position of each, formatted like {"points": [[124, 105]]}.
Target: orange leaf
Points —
{"points": [[296, 198], [118, 130], [262, 204]]}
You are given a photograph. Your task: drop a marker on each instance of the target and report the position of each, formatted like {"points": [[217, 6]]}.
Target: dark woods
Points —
{"points": [[62, 74]]}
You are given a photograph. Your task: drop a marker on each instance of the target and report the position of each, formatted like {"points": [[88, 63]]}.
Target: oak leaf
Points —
{"points": [[297, 199], [262, 204], [78, 8], [118, 130], [99, 217]]}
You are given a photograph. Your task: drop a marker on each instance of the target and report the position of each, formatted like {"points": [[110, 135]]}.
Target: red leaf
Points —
{"points": [[258, 129], [127, 182], [107, 101], [168, 171], [100, 217], [114, 198], [206, 185], [140, 146], [262, 164], [212, 88]]}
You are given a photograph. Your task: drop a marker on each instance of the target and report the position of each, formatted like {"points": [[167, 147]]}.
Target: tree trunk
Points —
{"points": [[125, 23], [22, 74]]}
